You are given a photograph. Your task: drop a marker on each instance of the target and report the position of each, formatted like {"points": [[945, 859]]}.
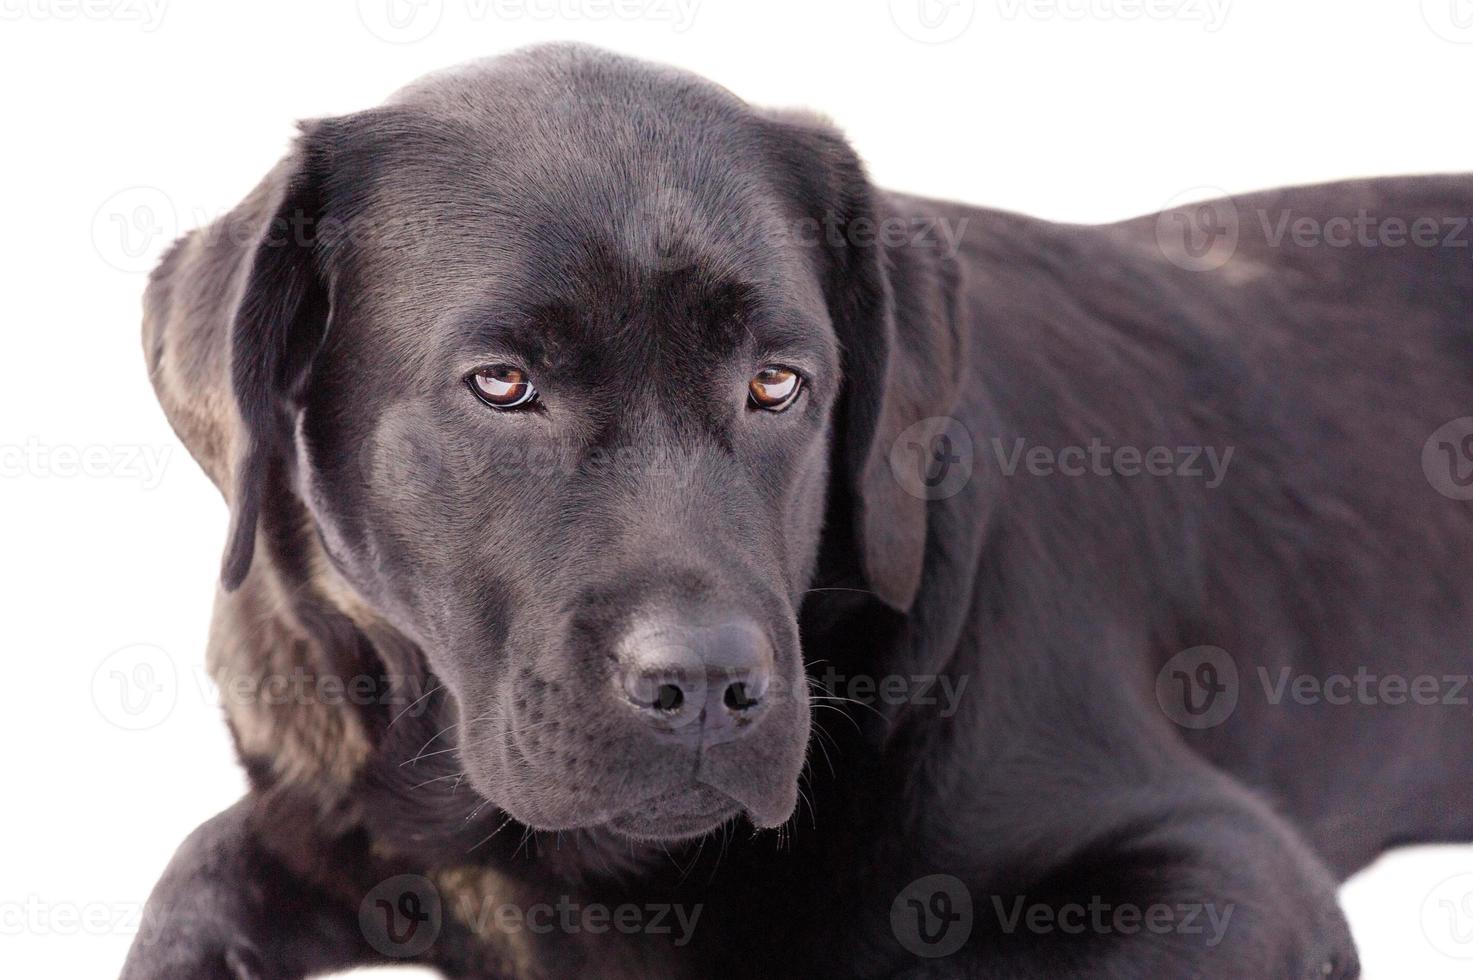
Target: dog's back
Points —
{"points": [[1298, 361]]}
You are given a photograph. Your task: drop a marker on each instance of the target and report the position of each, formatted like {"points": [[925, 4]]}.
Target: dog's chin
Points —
{"points": [[676, 816]]}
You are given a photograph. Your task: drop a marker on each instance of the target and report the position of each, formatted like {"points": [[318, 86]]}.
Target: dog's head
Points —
{"points": [[558, 353]]}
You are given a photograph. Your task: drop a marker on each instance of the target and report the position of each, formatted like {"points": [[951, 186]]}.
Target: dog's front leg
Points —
{"points": [[226, 909], [1191, 878]]}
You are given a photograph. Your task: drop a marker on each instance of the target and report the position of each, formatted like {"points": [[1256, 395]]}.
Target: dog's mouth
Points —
{"points": [[678, 815]]}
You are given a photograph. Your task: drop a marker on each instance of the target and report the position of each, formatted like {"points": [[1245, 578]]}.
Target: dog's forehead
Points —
{"points": [[561, 143], [586, 188]]}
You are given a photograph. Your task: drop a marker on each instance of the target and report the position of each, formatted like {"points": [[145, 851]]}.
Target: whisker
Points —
{"points": [[416, 701]]}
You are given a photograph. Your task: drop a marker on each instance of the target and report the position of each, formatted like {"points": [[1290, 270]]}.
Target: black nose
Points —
{"points": [[696, 682]]}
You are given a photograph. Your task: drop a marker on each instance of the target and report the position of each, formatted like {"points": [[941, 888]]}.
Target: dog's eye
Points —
{"points": [[502, 386], [774, 388]]}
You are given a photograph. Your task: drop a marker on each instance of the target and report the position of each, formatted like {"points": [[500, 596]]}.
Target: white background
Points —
{"points": [[127, 121]]}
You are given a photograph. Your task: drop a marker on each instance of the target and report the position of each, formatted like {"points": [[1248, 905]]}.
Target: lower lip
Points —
{"points": [[640, 822]]}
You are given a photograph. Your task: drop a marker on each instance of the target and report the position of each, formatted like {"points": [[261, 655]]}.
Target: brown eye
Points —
{"points": [[502, 386], [774, 388]]}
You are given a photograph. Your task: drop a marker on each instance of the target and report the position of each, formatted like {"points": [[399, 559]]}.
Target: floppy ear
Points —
{"points": [[279, 322], [893, 299]]}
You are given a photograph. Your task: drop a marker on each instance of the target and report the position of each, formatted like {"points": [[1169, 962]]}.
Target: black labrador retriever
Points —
{"points": [[657, 552]]}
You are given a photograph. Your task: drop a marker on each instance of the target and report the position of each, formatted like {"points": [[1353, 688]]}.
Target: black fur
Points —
{"points": [[641, 242]]}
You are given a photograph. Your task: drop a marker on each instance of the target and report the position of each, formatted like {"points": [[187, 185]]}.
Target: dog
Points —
{"points": [[657, 551]]}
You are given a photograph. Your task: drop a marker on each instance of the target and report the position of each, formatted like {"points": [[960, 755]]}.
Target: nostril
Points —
{"points": [[669, 697], [739, 697]]}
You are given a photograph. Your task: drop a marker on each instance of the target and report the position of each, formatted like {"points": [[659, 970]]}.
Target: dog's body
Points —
{"points": [[1031, 751]]}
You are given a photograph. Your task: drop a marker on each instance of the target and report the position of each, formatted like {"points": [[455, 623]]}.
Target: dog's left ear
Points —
{"points": [[892, 296], [279, 322]]}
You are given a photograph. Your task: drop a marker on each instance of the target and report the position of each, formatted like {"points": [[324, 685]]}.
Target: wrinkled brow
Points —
{"points": [[717, 318]]}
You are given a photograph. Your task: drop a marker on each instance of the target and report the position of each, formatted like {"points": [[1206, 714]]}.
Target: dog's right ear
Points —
{"points": [[893, 309], [278, 324]]}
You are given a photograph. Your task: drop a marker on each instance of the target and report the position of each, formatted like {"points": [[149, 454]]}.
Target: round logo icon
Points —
{"points": [[932, 916], [933, 458], [401, 916], [131, 226], [1447, 917], [1451, 20], [661, 230], [933, 21], [1198, 229], [136, 687], [405, 451], [1447, 459], [1198, 688], [401, 21]]}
